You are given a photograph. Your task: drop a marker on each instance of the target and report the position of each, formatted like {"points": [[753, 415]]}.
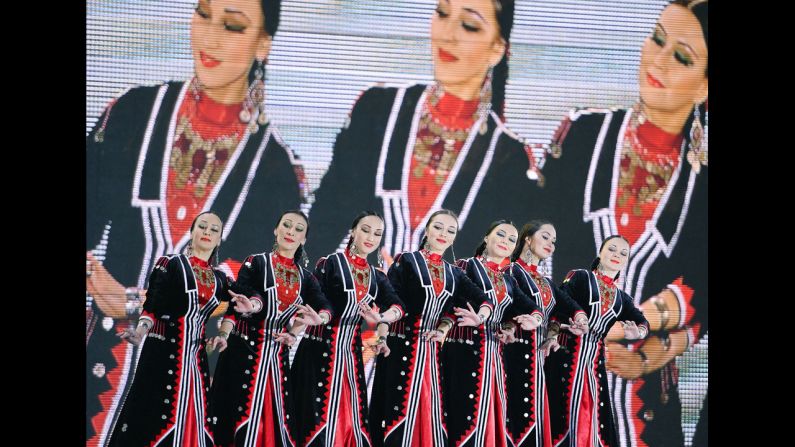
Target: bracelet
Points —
{"points": [[665, 314], [482, 319], [256, 304], [326, 319], [381, 339], [382, 322], [146, 324], [223, 334]]}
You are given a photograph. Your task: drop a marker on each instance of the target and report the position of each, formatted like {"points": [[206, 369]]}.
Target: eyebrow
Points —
{"points": [[234, 11], [680, 42], [472, 11], [689, 48]]}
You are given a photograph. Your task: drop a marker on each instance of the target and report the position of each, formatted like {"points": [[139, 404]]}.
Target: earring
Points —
{"points": [[380, 258], [304, 257], [254, 104], [215, 259], [485, 99], [697, 155], [189, 248], [529, 256], [354, 251], [275, 247]]}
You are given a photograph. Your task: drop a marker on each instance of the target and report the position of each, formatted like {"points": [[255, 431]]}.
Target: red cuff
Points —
{"points": [[327, 312], [148, 315], [399, 308], [684, 294]]}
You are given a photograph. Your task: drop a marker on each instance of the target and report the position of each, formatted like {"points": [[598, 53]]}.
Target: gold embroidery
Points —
{"points": [[198, 160], [286, 275], [641, 179], [607, 294], [361, 276]]}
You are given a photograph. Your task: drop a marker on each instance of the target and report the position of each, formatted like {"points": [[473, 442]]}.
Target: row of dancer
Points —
{"points": [[463, 346], [160, 155]]}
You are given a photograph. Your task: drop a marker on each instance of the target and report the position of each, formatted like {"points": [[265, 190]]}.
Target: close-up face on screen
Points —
{"points": [[220, 132]]}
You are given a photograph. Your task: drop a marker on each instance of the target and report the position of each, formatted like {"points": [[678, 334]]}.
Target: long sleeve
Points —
{"points": [[343, 191], [224, 284], [160, 287], [249, 280], [522, 304], [396, 276], [227, 284], [113, 149], [323, 271], [565, 306], [387, 298], [467, 291], [573, 286], [631, 313], [313, 294]]}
